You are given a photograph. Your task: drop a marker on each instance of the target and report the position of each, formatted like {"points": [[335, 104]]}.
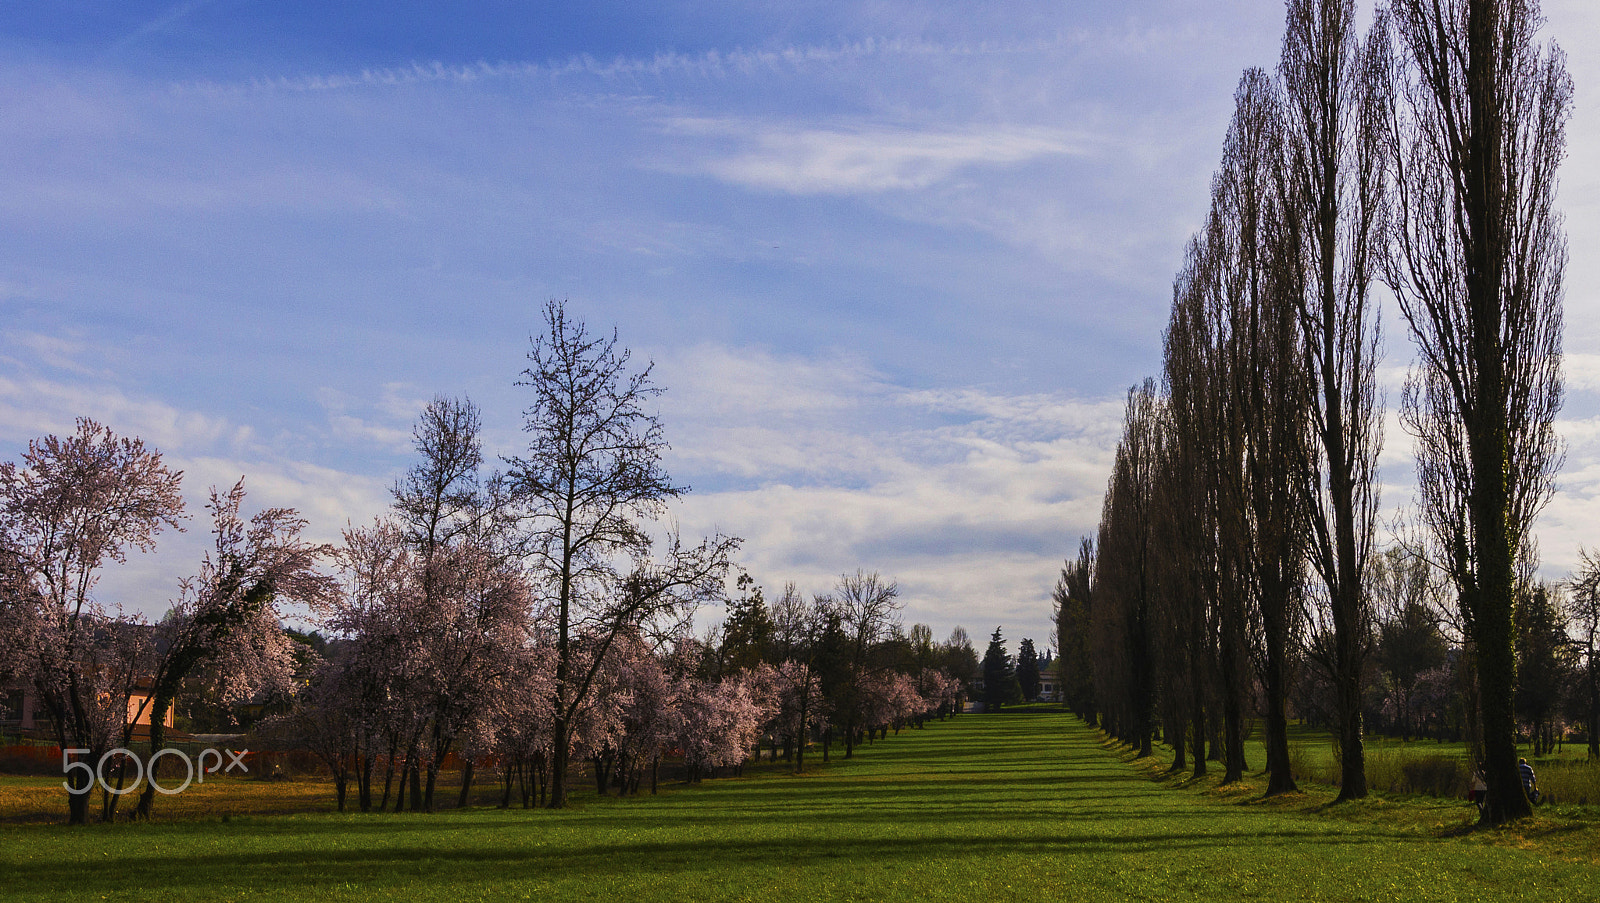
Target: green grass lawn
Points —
{"points": [[1002, 807], [1565, 775]]}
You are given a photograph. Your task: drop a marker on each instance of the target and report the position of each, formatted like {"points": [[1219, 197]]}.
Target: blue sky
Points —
{"points": [[896, 263]]}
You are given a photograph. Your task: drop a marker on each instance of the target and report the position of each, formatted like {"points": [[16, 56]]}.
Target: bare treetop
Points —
{"points": [[585, 492], [439, 495], [593, 467], [867, 605]]}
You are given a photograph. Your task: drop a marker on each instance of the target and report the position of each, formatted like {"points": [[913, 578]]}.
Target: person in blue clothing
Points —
{"points": [[1530, 783]]}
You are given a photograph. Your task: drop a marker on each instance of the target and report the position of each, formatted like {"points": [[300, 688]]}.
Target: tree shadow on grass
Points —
{"points": [[312, 866]]}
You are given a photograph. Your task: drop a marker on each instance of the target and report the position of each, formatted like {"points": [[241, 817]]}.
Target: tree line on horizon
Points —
{"points": [[1236, 563], [529, 617]]}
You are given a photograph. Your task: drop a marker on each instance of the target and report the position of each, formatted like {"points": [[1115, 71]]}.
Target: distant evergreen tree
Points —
{"points": [[747, 629], [1028, 670], [999, 679]]}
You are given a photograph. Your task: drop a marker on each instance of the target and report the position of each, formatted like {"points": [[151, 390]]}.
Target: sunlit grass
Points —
{"points": [[40, 800], [983, 807]]}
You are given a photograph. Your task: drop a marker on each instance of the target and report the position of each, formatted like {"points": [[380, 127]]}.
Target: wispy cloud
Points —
{"points": [[62, 353], [385, 421], [161, 23], [802, 160], [715, 63], [31, 406]]}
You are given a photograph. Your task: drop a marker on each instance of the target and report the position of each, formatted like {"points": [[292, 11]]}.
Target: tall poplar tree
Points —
{"points": [[1477, 264], [1336, 93]]}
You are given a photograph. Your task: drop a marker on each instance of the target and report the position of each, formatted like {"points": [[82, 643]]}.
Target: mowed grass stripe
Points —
{"points": [[981, 807]]}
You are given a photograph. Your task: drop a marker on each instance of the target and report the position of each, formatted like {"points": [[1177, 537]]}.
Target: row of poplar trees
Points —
{"points": [[1239, 521]]}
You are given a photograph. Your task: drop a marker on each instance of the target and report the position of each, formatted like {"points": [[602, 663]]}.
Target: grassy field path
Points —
{"points": [[982, 808]]}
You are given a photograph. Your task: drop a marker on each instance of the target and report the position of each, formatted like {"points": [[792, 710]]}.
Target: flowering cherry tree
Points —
{"points": [[74, 504], [515, 727], [225, 624], [648, 706], [718, 723]]}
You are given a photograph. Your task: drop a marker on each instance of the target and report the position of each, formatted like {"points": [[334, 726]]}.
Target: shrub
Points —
{"points": [[1305, 766], [1384, 770], [1435, 775]]}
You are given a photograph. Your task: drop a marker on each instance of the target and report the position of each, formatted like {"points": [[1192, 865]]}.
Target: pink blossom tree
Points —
{"points": [[718, 723], [471, 624], [467, 601], [74, 504], [801, 708], [380, 650], [328, 720], [515, 728], [940, 691], [436, 605], [801, 627], [648, 699], [225, 624]]}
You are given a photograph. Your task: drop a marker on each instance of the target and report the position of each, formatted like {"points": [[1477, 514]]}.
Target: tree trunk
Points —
{"points": [[400, 787], [1232, 714], [1496, 684], [1199, 715], [1233, 762], [1352, 749], [427, 789], [159, 705], [1594, 711], [1280, 777], [558, 764], [364, 782], [416, 786], [804, 732], [466, 785], [388, 781], [78, 797]]}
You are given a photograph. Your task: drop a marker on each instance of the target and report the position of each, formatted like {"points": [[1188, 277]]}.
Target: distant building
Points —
{"points": [[1047, 687], [22, 712]]}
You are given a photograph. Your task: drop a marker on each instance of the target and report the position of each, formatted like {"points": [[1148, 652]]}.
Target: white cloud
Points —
{"points": [[31, 407], [969, 497], [1582, 371], [385, 421], [56, 352], [327, 498], [863, 159]]}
